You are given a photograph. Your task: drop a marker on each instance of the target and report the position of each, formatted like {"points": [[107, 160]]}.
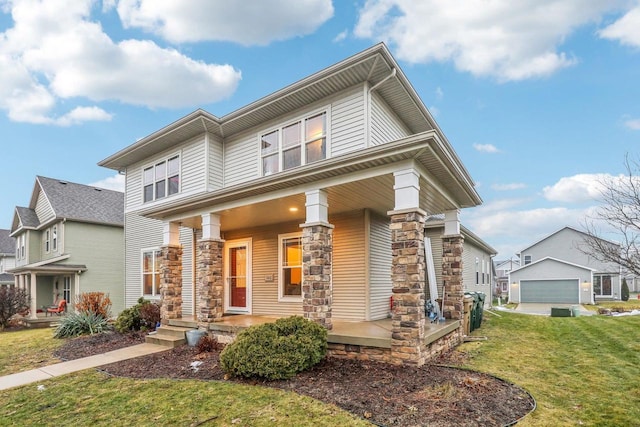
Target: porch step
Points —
{"points": [[184, 323], [168, 336]]}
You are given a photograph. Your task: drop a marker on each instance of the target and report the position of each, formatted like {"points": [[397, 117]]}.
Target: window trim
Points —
{"points": [[601, 276], [155, 286], [524, 259], [281, 295], [54, 238], [154, 181], [47, 241], [326, 110]]}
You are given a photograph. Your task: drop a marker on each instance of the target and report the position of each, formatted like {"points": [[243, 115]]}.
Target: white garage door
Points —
{"points": [[561, 291]]}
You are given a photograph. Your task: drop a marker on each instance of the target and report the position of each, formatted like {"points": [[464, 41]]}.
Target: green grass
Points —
{"points": [[27, 349], [581, 371]]}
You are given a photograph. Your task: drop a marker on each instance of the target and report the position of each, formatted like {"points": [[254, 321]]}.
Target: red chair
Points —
{"points": [[62, 305]]}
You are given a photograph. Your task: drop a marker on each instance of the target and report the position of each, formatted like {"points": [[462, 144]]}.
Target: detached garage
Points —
{"points": [[551, 280]]}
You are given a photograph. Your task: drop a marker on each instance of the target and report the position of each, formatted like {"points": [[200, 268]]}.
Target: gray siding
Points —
{"points": [[43, 209], [548, 270], [100, 248], [379, 267], [241, 157], [385, 124], [435, 234], [188, 275], [347, 122], [349, 272], [140, 233], [472, 253], [215, 168]]}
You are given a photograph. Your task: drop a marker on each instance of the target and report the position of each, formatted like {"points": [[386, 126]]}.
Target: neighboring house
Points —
{"points": [[69, 240], [291, 205], [555, 269], [477, 259], [503, 268], [7, 257]]}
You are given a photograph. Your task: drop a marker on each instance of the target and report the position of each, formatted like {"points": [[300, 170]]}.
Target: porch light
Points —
{"points": [[586, 286], [514, 285], [293, 209]]}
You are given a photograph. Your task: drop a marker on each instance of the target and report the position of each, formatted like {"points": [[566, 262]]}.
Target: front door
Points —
{"points": [[237, 268]]}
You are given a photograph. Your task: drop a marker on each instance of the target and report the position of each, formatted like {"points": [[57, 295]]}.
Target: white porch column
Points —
{"points": [[76, 285], [32, 298], [317, 208], [452, 223], [210, 226], [170, 234], [407, 189]]}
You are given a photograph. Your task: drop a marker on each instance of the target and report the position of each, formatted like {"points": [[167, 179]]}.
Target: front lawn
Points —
{"points": [[27, 349], [581, 371]]}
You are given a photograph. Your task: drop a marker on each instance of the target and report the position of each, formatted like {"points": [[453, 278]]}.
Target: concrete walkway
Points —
{"points": [[544, 309], [46, 372]]}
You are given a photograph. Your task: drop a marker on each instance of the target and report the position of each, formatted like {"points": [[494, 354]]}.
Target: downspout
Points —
{"points": [[368, 101]]}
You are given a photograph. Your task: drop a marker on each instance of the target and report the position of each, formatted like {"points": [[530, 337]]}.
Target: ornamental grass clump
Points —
{"points": [[81, 323], [277, 350]]}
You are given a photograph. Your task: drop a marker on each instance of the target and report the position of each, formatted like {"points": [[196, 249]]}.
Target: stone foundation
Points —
{"points": [[209, 283], [408, 278], [452, 300], [170, 283], [317, 256]]}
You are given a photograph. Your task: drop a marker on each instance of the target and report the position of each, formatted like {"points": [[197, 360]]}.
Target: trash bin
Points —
{"points": [[474, 310], [575, 310], [480, 309], [194, 336]]}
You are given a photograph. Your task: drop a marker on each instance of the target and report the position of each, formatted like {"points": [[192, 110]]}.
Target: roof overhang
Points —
{"points": [[468, 236], [555, 260]]}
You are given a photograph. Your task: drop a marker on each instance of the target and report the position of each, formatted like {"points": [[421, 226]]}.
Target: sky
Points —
{"points": [[539, 98]]}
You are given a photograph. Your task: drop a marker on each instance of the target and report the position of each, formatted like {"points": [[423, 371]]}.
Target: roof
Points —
{"points": [[6, 278], [553, 260], [375, 66], [556, 232], [437, 220], [7, 243]]}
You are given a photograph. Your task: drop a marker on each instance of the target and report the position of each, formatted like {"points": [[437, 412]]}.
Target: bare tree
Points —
{"points": [[12, 301], [620, 211]]}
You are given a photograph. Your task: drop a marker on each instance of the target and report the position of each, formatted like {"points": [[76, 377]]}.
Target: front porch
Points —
{"points": [[365, 340]]}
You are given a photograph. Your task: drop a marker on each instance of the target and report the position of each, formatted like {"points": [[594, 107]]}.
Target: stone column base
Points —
{"points": [[209, 283], [317, 258]]}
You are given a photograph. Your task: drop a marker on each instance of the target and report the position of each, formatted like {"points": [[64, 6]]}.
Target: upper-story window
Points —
{"points": [[301, 142], [47, 240], [54, 238], [527, 259], [161, 179], [22, 245]]}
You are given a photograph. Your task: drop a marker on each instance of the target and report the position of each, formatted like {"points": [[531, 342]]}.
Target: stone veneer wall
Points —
{"points": [[408, 278], [209, 283], [170, 283], [452, 301], [317, 256]]}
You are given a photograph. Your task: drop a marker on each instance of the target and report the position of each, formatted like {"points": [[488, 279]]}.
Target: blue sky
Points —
{"points": [[539, 98]]}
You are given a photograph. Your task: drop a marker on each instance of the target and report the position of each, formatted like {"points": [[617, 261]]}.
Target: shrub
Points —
{"points": [[144, 315], [81, 323], [624, 292], [275, 350], [94, 302], [12, 301], [207, 344]]}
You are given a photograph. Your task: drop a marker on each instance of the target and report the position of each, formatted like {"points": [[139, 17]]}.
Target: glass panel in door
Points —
{"points": [[238, 276]]}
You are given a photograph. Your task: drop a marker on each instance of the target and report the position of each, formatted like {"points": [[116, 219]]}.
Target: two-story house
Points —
{"points": [[310, 201], [7, 257], [558, 269], [69, 240], [503, 268]]}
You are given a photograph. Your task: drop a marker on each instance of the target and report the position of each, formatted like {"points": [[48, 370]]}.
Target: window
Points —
{"points": [[477, 272], [290, 260], [54, 238], [527, 259], [298, 143], [22, 245], [162, 179], [66, 289], [47, 240], [151, 272], [602, 285]]}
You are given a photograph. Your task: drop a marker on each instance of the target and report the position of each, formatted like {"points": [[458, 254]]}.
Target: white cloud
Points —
{"points": [[55, 52], [577, 188], [626, 30], [439, 93], [508, 187], [486, 148], [633, 124], [259, 23], [115, 182], [341, 36], [508, 40], [435, 111]]}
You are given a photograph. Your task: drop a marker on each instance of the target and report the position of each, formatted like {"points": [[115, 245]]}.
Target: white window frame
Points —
{"points": [[601, 276], [281, 294], [66, 289], [22, 246], [154, 286], [155, 181], [47, 240], [54, 238], [303, 141], [524, 259]]}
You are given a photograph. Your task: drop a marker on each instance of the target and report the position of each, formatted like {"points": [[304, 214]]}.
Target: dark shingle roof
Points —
{"points": [[7, 243], [6, 278], [82, 202], [28, 217]]}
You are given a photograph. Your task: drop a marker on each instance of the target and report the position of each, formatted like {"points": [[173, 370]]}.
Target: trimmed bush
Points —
{"points": [[94, 302], [275, 350], [144, 315], [624, 292], [149, 315], [81, 323]]}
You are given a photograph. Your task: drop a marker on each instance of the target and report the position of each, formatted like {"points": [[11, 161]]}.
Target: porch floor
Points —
{"points": [[376, 333]]}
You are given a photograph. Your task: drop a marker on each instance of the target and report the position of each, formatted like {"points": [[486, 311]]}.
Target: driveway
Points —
{"points": [[544, 309]]}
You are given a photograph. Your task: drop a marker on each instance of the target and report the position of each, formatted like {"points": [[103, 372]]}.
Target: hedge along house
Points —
{"points": [[310, 201], [69, 240]]}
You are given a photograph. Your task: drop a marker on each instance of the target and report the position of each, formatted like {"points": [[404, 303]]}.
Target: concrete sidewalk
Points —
{"points": [[46, 372], [544, 309]]}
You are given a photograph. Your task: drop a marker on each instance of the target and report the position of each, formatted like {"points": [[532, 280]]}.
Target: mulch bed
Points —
{"points": [[383, 394]]}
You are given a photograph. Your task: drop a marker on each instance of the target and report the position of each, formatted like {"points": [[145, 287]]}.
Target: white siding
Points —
{"points": [[215, 167], [349, 275], [470, 254], [379, 267], [385, 124], [44, 211], [347, 122], [188, 272], [140, 233], [241, 156], [436, 249]]}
